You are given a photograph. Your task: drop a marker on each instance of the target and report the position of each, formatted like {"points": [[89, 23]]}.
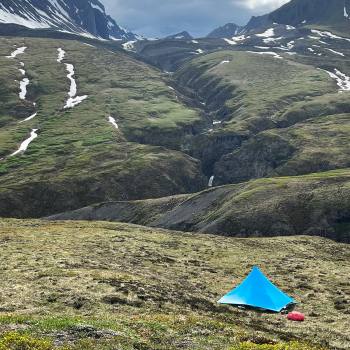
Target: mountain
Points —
{"points": [[180, 36], [81, 17], [120, 128], [296, 13], [227, 31], [237, 142], [213, 112]]}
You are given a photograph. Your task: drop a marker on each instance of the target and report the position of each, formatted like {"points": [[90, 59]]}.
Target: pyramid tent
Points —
{"points": [[257, 291]]}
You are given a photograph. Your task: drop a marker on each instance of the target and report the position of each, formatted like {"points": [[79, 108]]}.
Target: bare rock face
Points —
{"points": [[227, 31], [75, 16], [305, 12]]}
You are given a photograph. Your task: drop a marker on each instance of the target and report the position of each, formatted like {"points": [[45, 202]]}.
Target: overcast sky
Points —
{"points": [[156, 18]]}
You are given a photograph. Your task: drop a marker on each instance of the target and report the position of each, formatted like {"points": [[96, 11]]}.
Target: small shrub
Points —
{"points": [[17, 341], [281, 346]]}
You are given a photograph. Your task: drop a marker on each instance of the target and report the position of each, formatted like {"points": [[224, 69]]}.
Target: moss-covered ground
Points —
{"points": [[117, 286]]}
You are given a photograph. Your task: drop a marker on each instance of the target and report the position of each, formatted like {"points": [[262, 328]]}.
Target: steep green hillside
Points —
{"points": [[79, 157], [246, 113], [245, 89], [315, 145], [268, 112], [315, 204], [116, 286]]}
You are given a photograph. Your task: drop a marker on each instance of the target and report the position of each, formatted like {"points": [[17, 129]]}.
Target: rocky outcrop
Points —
{"points": [[227, 31], [180, 36], [257, 158]]}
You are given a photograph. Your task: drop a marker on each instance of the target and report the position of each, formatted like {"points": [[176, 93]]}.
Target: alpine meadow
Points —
{"points": [[184, 191]]}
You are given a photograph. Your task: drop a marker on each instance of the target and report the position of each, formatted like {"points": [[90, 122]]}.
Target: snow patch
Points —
{"points": [[211, 181], [291, 45], [113, 122], [129, 46], [267, 34], [336, 52], [263, 47], [97, 7], [343, 81], [23, 87], [61, 54], [271, 53], [17, 52], [272, 40], [73, 100], [24, 145], [29, 118], [236, 39], [288, 27], [328, 35]]}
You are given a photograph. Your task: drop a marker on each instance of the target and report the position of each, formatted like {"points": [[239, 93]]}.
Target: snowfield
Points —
{"points": [[24, 145]]}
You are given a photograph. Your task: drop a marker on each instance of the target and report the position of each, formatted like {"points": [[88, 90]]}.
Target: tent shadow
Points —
{"points": [[285, 311]]}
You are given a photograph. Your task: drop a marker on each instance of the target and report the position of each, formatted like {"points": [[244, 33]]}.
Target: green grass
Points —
{"points": [[258, 86], [314, 145], [155, 289], [79, 145]]}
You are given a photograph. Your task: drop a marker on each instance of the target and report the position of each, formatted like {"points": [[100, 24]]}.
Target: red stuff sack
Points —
{"points": [[296, 316]]}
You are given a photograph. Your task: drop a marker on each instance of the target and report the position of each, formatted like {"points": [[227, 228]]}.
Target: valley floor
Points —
{"points": [[98, 285]]}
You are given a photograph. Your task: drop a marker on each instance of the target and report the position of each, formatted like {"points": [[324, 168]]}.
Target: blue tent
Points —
{"points": [[257, 291]]}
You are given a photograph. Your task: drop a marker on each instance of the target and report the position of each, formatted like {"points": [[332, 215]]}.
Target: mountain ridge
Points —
{"points": [[296, 13], [72, 16]]}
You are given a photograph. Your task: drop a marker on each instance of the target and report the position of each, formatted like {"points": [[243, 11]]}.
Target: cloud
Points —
{"points": [[163, 17], [256, 4]]}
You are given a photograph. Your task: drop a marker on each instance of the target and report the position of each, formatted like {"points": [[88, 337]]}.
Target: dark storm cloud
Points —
{"points": [[163, 17]]}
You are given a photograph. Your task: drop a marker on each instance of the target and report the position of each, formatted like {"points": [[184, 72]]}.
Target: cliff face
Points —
{"points": [[76, 16], [309, 12]]}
